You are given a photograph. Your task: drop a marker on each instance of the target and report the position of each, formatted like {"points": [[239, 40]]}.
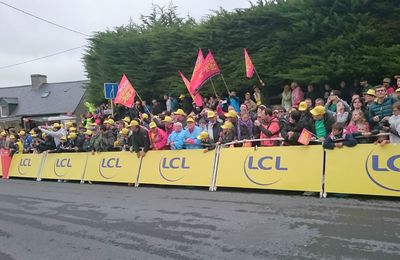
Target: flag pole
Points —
{"points": [[212, 84], [258, 76], [142, 102], [226, 86]]}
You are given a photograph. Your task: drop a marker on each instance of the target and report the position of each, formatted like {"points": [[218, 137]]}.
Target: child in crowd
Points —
{"points": [[339, 138]]}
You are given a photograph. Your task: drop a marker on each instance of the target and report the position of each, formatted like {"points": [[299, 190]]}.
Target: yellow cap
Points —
{"points": [[88, 132], [318, 111], [370, 92], [134, 123], [64, 138], [190, 120], [227, 125], [22, 133], [72, 129], [181, 96], [124, 131], [152, 125], [109, 121], [231, 113], [398, 90], [303, 106], [32, 132], [210, 114], [69, 124], [117, 143], [179, 112], [168, 119], [127, 119], [12, 137], [43, 135], [202, 135], [72, 136], [34, 135], [145, 116], [56, 125]]}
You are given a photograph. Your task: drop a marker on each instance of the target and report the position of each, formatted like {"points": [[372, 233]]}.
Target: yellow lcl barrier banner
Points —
{"points": [[178, 167], [297, 168], [26, 165], [112, 167], [66, 166], [364, 169]]}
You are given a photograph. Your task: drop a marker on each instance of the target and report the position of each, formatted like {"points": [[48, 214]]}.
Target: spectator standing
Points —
{"points": [[297, 94], [381, 108], [286, 97], [394, 122]]}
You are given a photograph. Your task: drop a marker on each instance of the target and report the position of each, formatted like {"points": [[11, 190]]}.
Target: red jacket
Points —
{"points": [[269, 130]]}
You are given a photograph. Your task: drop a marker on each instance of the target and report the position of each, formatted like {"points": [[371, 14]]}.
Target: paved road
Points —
{"points": [[51, 220]]}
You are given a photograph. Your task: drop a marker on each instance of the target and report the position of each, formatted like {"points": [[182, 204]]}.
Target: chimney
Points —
{"points": [[38, 80]]}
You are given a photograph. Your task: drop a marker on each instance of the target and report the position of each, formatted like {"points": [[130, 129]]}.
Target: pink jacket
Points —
{"points": [[160, 139], [297, 96]]}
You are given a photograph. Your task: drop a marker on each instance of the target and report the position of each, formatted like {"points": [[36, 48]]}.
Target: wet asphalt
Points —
{"points": [[49, 220]]}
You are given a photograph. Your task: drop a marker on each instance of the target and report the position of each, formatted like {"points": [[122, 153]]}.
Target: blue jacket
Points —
{"points": [[234, 101], [193, 135], [178, 140], [27, 142]]}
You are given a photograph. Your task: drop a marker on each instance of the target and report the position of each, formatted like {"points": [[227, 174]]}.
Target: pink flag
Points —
{"points": [[249, 64], [126, 93], [208, 69]]}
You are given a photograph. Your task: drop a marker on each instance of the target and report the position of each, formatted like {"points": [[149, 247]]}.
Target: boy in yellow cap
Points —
{"points": [[206, 142]]}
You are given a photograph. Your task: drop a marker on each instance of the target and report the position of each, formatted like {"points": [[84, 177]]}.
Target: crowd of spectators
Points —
{"points": [[335, 117]]}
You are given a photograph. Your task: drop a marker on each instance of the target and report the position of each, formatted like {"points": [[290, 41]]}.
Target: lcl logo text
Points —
{"points": [[265, 163], [110, 163], [174, 163], [63, 163], [381, 166], [25, 162]]}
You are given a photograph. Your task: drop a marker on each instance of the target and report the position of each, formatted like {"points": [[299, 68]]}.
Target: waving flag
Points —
{"points": [[199, 61], [249, 64], [126, 93], [305, 137], [197, 98], [208, 69]]}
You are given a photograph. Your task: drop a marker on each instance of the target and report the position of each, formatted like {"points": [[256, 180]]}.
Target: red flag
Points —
{"points": [[208, 69], [199, 61], [197, 98], [305, 137], [249, 64], [126, 93]]}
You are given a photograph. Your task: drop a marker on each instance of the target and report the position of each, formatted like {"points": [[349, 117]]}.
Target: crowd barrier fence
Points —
{"points": [[365, 169]]}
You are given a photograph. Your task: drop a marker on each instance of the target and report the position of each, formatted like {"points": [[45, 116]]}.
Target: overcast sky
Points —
{"points": [[24, 38]]}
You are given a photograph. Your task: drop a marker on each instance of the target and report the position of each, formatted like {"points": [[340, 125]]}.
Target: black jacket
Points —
{"points": [[140, 139]]}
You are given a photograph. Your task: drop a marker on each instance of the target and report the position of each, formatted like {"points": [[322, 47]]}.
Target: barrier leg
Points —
{"points": [[138, 172], [323, 194], [213, 186], [84, 169], [39, 176]]}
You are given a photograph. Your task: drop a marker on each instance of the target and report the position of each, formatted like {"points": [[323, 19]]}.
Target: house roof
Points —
{"points": [[49, 98], [10, 100]]}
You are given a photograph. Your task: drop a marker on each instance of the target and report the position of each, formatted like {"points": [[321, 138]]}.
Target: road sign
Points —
{"points": [[110, 90]]}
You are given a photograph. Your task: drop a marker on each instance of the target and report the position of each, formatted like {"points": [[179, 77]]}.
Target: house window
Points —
{"points": [[1, 112]]}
